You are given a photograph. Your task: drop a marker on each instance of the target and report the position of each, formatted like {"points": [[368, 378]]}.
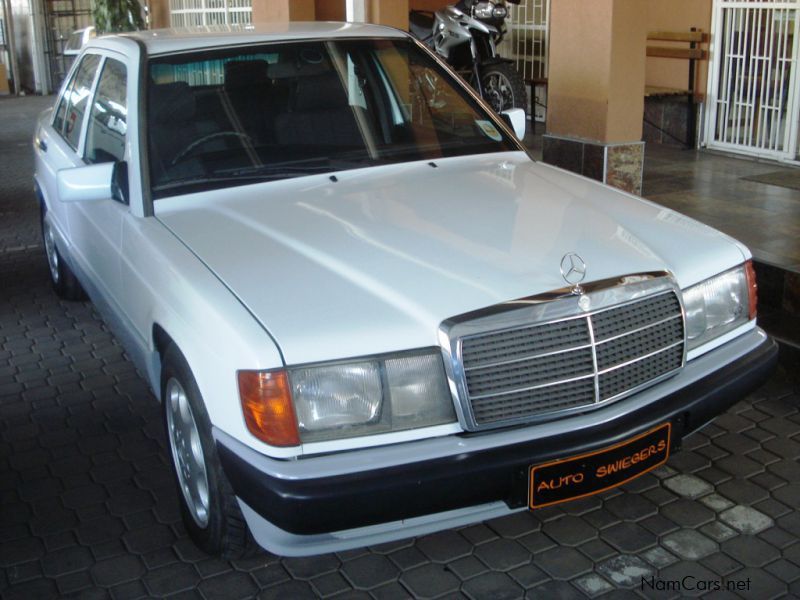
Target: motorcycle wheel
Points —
{"points": [[503, 88]]}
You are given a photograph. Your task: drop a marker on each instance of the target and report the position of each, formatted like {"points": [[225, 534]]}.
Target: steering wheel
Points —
{"points": [[207, 138]]}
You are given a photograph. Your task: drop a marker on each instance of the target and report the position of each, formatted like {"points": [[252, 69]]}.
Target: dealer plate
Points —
{"points": [[579, 476]]}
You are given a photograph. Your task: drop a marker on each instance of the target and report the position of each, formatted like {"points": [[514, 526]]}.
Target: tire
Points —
{"points": [[209, 508], [65, 284], [503, 88]]}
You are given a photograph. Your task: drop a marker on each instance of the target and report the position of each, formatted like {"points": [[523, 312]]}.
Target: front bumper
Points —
{"points": [[314, 496]]}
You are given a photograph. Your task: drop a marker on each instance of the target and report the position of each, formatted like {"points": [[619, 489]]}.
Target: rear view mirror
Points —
{"points": [[515, 117], [103, 181]]}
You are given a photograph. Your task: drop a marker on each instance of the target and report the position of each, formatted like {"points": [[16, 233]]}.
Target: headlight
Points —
{"points": [[719, 304], [484, 10], [349, 399], [500, 12]]}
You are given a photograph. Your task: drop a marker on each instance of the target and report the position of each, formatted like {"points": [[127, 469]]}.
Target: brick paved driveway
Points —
{"points": [[87, 507]]}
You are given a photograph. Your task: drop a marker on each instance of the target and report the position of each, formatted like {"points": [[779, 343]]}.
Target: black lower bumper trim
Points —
{"points": [[328, 504]]}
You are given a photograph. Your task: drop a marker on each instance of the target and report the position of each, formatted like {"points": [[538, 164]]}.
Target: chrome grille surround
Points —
{"points": [[544, 357]]}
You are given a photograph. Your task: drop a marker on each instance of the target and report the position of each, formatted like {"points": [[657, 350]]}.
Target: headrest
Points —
{"points": [[320, 92], [171, 102], [245, 73]]}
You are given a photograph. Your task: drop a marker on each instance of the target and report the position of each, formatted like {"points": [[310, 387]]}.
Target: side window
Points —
{"points": [[105, 139], [76, 98]]}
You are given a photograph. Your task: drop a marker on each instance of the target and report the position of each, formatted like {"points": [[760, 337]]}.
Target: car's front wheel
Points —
{"points": [[65, 284], [209, 508]]}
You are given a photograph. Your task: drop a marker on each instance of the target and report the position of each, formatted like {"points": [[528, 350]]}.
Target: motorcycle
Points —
{"points": [[466, 35]]}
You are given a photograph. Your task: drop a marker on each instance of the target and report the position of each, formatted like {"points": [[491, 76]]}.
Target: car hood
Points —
{"points": [[375, 261]]}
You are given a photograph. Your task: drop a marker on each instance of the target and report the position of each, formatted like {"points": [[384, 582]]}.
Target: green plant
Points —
{"points": [[117, 15]]}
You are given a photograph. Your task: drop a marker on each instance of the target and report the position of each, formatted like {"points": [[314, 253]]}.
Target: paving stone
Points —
{"points": [[170, 579], [686, 578], [721, 563], [688, 462], [742, 492], [556, 589], [516, 525], [790, 523], [148, 539], [503, 554], [271, 575], [689, 544], [478, 534], [688, 513], [719, 532], [21, 551], [23, 572], [688, 486], [408, 558], [391, 591], [750, 551], [100, 530], [739, 466], [596, 550], [444, 546], [592, 585], [492, 585], [330, 585], [787, 469], [537, 542], [659, 557], [117, 570], [228, 585], [631, 507], [789, 495], [292, 590], [746, 520], [37, 588], [467, 567], [759, 584], [600, 518], [70, 585], [783, 570], [66, 560], [370, 571], [777, 537], [562, 562], [529, 576], [430, 581], [625, 570], [629, 538], [570, 530]]}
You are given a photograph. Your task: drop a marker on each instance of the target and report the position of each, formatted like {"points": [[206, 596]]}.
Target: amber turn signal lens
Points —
{"points": [[752, 288], [267, 407]]}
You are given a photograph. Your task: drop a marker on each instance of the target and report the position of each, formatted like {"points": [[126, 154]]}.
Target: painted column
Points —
{"points": [[283, 10], [596, 90]]}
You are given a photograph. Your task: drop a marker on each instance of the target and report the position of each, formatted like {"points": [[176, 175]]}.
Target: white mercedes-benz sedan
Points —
{"points": [[367, 312]]}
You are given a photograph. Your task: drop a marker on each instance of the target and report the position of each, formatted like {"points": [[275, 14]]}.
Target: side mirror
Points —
{"points": [[94, 182], [515, 117]]}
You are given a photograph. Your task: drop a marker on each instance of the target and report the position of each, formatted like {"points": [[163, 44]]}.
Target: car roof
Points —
{"points": [[165, 41]]}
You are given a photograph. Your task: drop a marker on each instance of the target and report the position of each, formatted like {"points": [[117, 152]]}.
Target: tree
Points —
{"points": [[111, 16]]}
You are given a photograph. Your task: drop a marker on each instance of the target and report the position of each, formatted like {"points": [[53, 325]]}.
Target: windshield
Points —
{"points": [[234, 116]]}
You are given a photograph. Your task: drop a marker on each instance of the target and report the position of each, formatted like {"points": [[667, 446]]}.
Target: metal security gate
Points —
{"points": [[188, 13], [752, 90], [527, 44]]}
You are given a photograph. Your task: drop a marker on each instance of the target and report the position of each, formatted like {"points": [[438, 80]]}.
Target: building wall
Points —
{"points": [[330, 10], [676, 15]]}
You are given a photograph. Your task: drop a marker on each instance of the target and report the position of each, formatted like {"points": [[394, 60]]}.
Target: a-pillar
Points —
{"points": [[596, 90], [283, 10]]}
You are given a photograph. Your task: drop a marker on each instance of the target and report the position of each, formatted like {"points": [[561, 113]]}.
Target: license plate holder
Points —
{"points": [[587, 474]]}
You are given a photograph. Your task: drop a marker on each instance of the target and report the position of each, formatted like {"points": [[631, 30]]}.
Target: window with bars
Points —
{"points": [[188, 13]]}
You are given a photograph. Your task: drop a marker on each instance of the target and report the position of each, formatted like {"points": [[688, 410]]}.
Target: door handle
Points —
{"points": [[42, 145]]}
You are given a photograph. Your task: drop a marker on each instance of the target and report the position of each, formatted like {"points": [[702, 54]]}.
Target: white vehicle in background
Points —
{"points": [[368, 313]]}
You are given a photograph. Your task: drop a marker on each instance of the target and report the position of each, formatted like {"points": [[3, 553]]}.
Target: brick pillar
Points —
{"points": [[596, 90], [283, 10]]}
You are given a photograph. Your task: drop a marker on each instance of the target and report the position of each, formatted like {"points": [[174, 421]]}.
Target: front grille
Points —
{"points": [[532, 370]]}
